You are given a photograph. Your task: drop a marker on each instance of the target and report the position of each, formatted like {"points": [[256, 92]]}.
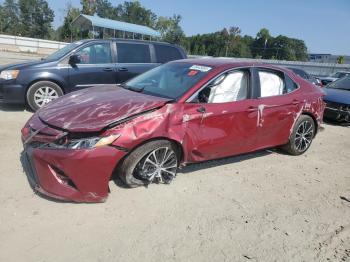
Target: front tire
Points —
{"points": [[41, 93], [155, 161], [302, 136]]}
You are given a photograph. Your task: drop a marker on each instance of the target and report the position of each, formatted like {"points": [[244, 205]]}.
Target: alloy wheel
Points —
{"points": [[304, 135], [44, 95], [159, 166]]}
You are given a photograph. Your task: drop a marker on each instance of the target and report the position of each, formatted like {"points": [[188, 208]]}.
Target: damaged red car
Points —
{"points": [[181, 112]]}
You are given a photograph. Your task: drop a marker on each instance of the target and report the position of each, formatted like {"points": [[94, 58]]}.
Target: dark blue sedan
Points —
{"points": [[337, 100]]}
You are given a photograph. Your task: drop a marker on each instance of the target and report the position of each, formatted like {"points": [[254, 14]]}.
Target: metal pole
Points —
{"points": [[103, 37], [133, 35], [114, 33], [93, 32], [124, 34]]}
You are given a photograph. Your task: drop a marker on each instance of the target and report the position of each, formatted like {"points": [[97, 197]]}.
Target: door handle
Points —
{"points": [[201, 109], [295, 102], [122, 69], [251, 109], [107, 69]]}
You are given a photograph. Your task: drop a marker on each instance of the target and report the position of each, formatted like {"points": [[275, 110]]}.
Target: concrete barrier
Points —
{"points": [[318, 69], [11, 43]]}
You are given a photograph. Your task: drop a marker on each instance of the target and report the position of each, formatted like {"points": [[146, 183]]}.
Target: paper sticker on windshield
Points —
{"points": [[200, 68], [192, 72]]}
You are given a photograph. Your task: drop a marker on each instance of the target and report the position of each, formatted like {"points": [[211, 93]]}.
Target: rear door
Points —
{"points": [[279, 103], [133, 58], [96, 66]]}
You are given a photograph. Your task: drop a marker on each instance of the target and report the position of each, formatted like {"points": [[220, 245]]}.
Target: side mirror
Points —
{"points": [[74, 59]]}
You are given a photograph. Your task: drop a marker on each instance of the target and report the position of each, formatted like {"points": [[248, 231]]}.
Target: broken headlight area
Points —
{"points": [[82, 143]]}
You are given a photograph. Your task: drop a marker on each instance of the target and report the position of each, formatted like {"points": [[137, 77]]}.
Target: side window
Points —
{"points": [[290, 85], [133, 53], [229, 87], [271, 84], [95, 54], [166, 53]]}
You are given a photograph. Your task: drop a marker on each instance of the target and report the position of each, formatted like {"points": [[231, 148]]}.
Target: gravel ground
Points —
{"points": [[265, 206]]}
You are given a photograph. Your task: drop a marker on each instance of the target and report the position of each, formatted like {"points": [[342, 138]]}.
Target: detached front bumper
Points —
{"points": [[73, 175], [337, 114], [11, 93]]}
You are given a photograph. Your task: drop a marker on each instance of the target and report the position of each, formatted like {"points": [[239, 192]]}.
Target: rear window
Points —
{"points": [[133, 53], [166, 53]]}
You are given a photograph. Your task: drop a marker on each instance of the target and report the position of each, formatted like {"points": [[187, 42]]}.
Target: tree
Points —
{"points": [[341, 59], [9, 17], [88, 7], [67, 32], [35, 18], [134, 12], [170, 29], [105, 9]]}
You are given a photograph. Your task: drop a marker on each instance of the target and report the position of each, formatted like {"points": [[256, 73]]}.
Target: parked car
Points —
{"points": [[302, 73], [333, 77], [79, 65], [337, 100], [181, 112]]}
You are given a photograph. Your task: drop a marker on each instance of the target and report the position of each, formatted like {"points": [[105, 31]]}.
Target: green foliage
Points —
{"points": [[229, 42], [170, 29], [88, 7], [341, 59], [134, 12], [67, 32], [35, 18], [9, 17]]}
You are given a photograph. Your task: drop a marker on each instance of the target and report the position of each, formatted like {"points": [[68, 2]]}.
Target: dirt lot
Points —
{"points": [[265, 206]]}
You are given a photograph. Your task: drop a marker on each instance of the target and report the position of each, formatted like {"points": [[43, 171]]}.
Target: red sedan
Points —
{"points": [[181, 112]]}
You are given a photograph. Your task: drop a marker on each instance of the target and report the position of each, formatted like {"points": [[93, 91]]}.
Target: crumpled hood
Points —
{"points": [[337, 95], [92, 109]]}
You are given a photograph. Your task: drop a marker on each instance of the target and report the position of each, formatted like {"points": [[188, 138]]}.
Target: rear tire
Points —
{"points": [[302, 136], [41, 93], [147, 164]]}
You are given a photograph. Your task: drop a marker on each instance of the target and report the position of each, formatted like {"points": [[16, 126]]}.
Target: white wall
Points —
{"points": [[29, 45]]}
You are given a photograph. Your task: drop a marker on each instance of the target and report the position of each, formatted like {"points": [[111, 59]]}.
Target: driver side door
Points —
{"points": [[221, 119]]}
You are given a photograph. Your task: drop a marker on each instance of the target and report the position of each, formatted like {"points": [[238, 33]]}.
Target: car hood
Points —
{"points": [[337, 95], [92, 109], [21, 65], [329, 78]]}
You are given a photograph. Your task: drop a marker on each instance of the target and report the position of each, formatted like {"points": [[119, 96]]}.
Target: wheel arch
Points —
{"points": [[313, 118], [175, 142]]}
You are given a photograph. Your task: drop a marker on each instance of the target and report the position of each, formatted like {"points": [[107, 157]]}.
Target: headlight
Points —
{"points": [[9, 74], [85, 143]]}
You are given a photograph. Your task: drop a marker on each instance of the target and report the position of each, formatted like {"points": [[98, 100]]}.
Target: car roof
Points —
{"points": [[227, 62], [125, 40]]}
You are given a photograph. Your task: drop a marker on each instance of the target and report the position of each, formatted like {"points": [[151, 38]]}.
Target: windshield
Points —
{"points": [[63, 51], [343, 83], [170, 80], [340, 74]]}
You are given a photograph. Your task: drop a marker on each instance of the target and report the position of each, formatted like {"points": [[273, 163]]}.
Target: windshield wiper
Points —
{"points": [[139, 90]]}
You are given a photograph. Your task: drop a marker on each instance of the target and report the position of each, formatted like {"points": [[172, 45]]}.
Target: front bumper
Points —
{"points": [[87, 172], [337, 114], [11, 92]]}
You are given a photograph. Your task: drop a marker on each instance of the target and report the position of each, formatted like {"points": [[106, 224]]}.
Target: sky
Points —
{"points": [[324, 25]]}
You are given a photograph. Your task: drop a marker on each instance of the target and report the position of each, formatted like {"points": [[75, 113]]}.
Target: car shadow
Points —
{"points": [[12, 108], [226, 161], [209, 164]]}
